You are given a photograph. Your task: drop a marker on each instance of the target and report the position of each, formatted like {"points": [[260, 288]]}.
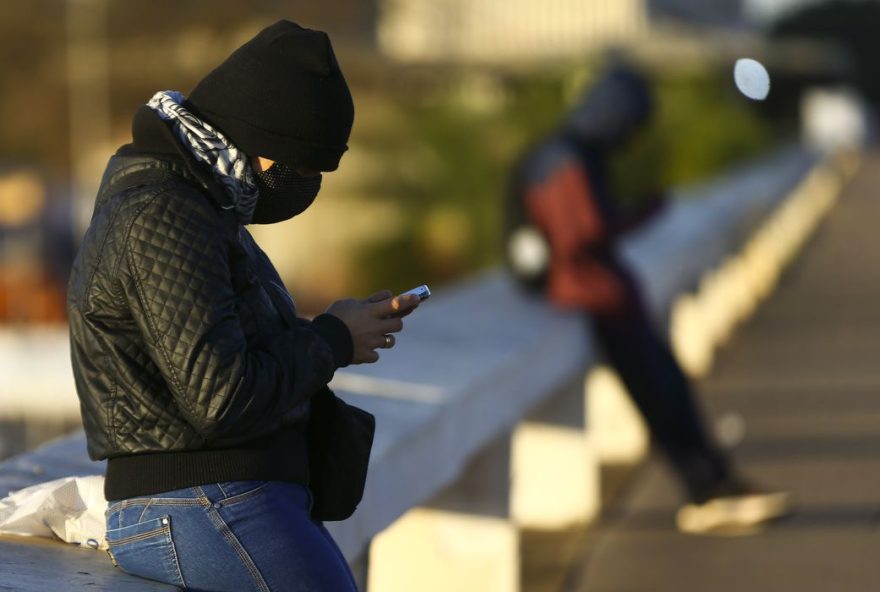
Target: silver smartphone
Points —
{"points": [[423, 292]]}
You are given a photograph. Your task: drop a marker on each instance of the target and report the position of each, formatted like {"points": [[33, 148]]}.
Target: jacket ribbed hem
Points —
{"points": [[285, 459]]}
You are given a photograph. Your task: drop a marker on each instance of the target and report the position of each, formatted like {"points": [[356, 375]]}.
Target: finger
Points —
{"points": [[379, 296], [367, 357], [406, 302], [390, 325], [407, 311], [382, 309], [396, 306], [382, 342]]}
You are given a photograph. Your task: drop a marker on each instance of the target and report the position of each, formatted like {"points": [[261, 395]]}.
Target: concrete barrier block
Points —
{"points": [[462, 540], [436, 551], [617, 432], [555, 466], [556, 478], [688, 335], [744, 296]]}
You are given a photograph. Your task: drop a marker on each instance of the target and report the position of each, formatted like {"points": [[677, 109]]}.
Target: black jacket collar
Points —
{"points": [[155, 155]]}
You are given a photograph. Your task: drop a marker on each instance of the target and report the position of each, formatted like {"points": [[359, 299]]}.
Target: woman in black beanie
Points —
{"points": [[196, 378]]}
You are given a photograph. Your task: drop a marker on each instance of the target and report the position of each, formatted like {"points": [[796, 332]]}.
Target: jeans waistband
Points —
{"points": [[225, 493]]}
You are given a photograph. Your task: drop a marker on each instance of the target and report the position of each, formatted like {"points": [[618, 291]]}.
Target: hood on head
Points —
{"points": [[613, 108]]}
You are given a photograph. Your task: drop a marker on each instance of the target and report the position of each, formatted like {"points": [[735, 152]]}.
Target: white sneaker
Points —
{"points": [[733, 514]]}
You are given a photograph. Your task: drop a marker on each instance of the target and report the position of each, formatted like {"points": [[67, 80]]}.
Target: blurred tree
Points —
{"points": [[443, 150]]}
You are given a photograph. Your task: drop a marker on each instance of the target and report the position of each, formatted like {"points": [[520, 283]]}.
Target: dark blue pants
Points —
{"points": [[236, 536], [663, 396]]}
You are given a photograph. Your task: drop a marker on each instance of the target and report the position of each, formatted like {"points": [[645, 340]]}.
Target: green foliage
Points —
{"points": [[701, 126], [445, 158]]}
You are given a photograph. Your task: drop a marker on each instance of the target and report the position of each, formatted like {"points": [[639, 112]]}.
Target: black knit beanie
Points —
{"points": [[282, 96]]}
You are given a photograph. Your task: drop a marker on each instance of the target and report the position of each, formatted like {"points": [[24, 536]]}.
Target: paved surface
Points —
{"points": [[804, 374]]}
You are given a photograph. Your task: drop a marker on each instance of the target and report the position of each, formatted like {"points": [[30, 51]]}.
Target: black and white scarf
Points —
{"points": [[230, 165]]}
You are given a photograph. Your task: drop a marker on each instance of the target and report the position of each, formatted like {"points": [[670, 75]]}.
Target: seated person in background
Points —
{"points": [[561, 202]]}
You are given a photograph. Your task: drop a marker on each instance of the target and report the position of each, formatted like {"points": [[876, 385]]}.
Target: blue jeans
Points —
{"points": [[235, 536]]}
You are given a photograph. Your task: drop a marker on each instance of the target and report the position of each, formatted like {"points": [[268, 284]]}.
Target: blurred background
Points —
{"points": [[447, 94]]}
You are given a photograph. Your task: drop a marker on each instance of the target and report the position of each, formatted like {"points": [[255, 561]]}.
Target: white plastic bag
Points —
{"points": [[71, 509]]}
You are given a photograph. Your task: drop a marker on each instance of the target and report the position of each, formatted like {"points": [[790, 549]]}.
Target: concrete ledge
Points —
{"points": [[28, 564]]}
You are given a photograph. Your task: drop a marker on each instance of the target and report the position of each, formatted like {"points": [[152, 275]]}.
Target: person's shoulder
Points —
{"points": [[176, 205], [547, 156], [161, 210]]}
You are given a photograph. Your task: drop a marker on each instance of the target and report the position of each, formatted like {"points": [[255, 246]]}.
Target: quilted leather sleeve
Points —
{"points": [[177, 281]]}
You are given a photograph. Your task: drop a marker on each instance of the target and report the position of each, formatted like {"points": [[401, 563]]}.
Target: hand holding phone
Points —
{"points": [[373, 321], [423, 293]]}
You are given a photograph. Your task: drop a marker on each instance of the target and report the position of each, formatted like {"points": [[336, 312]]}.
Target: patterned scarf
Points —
{"points": [[229, 164]]}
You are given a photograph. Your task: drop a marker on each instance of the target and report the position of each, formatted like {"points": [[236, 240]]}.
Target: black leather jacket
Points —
{"points": [[188, 368]]}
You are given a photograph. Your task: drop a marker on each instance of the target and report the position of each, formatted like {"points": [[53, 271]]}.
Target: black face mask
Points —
{"points": [[284, 193]]}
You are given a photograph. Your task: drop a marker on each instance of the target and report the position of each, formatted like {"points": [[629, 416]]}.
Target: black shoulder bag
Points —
{"points": [[339, 438]]}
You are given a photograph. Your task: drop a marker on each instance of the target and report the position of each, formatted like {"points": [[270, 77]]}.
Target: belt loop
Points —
{"points": [[202, 495]]}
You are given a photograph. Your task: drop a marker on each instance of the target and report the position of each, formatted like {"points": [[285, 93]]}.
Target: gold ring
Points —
{"points": [[388, 341]]}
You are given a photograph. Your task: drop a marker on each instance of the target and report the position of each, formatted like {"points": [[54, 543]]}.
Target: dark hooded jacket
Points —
{"points": [[190, 363]]}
